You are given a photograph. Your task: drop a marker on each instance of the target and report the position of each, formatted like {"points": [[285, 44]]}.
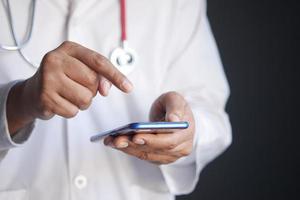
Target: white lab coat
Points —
{"points": [[54, 159]]}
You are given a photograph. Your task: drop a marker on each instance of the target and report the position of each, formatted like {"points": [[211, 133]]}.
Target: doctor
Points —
{"points": [[48, 112]]}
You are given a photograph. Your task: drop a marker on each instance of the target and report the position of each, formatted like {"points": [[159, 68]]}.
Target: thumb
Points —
{"points": [[175, 107]]}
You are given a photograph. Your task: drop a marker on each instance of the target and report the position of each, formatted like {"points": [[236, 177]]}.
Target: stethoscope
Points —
{"points": [[122, 57]]}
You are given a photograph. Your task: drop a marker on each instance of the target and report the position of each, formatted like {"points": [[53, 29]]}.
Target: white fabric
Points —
{"points": [[176, 52]]}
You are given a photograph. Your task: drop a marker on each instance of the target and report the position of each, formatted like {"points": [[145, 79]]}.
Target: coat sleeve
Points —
{"points": [[6, 142], [197, 73]]}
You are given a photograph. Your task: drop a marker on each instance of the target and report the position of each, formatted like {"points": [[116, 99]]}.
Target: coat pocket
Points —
{"points": [[13, 195]]}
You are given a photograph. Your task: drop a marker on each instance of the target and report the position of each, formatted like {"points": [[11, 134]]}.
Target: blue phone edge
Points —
{"points": [[158, 125], [143, 125]]}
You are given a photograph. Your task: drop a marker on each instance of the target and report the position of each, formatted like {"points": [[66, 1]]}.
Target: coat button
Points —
{"points": [[80, 181]]}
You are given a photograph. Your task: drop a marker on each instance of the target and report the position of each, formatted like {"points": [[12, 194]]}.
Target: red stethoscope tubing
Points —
{"points": [[123, 20], [123, 57]]}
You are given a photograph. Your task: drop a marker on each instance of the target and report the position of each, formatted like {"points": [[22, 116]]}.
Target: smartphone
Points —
{"points": [[161, 127]]}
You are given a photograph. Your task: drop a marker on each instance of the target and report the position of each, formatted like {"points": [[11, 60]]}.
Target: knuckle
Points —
{"points": [[116, 76], [67, 44], [50, 58], [92, 79], [143, 155], [99, 60], [50, 66], [171, 145], [92, 83]]}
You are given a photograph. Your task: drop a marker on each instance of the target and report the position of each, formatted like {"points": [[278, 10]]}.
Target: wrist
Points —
{"points": [[19, 111]]}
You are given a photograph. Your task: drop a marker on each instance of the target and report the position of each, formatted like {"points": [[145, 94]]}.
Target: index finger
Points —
{"points": [[98, 63]]}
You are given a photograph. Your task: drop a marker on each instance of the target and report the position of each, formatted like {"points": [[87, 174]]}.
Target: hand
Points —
{"points": [[67, 80], [160, 148]]}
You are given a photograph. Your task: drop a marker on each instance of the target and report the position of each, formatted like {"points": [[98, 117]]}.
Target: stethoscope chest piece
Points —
{"points": [[124, 59]]}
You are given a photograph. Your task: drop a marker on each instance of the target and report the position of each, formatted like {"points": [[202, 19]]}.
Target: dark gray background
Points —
{"points": [[259, 45]]}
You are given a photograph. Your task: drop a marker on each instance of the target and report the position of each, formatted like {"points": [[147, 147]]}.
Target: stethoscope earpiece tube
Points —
{"points": [[20, 45], [123, 57]]}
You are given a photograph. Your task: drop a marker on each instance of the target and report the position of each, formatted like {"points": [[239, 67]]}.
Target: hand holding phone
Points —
{"points": [[160, 147]]}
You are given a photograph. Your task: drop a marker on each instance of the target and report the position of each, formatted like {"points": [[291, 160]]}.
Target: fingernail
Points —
{"points": [[127, 85], [174, 118], [106, 86], [123, 145], [139, 141]]}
